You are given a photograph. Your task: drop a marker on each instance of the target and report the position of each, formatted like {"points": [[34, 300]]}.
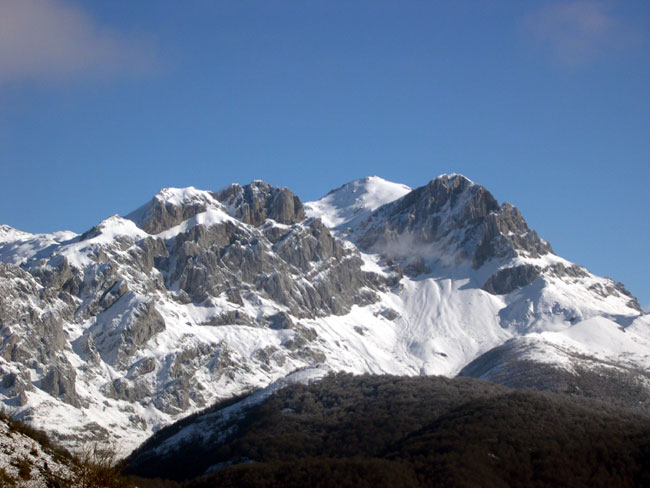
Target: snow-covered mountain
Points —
{"points": [[198, 296]]}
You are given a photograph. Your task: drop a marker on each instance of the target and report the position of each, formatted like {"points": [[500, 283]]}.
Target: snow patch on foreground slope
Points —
{"points": [[45, 468], [602, 338]]}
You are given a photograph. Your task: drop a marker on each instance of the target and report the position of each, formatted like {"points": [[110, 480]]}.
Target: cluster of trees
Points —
{"points": [[416, 431]]}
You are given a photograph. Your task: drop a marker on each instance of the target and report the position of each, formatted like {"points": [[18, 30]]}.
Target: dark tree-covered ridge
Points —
{"points": [[422, 431]]}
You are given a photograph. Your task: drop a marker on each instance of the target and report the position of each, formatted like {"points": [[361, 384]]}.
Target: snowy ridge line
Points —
{"points": [[191, 299]]}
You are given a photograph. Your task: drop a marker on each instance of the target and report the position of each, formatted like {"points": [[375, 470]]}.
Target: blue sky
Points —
{"points": [[547, 104]]}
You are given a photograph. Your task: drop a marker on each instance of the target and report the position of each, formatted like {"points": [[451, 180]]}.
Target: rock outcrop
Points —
{"points": [[508, 279], [112, 299], [254, 203], [170, 207], [451, 220]]}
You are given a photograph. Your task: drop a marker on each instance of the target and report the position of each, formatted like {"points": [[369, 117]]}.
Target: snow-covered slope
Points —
{"points": [[355, 201], [28, 463], [198, 296], [595, 358], [16, 246]]}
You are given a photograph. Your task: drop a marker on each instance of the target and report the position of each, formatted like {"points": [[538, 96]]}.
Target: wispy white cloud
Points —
{"points": [[53, 40], [581, 31]]}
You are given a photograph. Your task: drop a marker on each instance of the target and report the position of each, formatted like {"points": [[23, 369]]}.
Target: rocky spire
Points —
{"points": [[257, 201]]}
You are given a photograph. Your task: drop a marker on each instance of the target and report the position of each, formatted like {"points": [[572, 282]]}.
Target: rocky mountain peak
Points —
{"points": [[8, 232], [257, 201], [456, 195], [113, 227], [170, 207], [449, 220]]}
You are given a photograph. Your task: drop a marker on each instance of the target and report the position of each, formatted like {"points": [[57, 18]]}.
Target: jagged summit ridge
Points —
{"points": [[160, 313], [171, 206], [450, 220], [17, 246], [257, 201], [251, 204], [199, 295]]}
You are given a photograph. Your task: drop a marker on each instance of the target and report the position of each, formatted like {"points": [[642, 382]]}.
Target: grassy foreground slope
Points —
{"points": [[29, 459]]}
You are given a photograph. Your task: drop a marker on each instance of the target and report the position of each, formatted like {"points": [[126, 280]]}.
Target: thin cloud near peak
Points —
{"points": [[53, 40], [579, 32]]}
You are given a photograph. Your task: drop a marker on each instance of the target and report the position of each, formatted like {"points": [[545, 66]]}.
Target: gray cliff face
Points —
{"points": [[506, 234], [31, 325], [508, 279], [106, 314], [451, 220], [159, 214], [254, 203], [302, 267]]}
